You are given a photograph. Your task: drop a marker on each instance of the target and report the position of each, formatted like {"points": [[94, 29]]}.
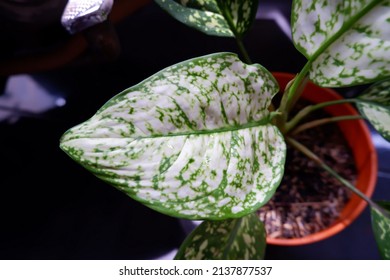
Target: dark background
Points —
{"points": [[51, 208]]}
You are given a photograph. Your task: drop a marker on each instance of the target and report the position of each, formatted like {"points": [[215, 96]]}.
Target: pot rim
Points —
{"points": [[365, 160]]}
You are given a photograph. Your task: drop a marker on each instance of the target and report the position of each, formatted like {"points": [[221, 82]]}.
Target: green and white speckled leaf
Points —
{"points": [[239, 14], [227, 18], [237, 239], [347, 42], [381, 228], [193, 140], [375, 106]]}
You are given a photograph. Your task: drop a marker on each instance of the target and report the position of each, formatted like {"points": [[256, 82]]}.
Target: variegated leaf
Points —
{"points": [[347, 42], [381, 228], [204, 16], [193, 140], [375, 106], [214, 17], [237, 239], [239, 14]]}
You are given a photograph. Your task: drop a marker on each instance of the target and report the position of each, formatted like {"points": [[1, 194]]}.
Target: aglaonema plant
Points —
{"points": [[202, 140]]}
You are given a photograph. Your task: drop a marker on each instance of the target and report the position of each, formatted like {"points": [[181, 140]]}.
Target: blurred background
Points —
{"points": [[51, 80]]}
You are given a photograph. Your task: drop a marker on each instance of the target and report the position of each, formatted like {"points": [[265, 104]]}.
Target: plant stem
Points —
{"points": [[291, 94], [311, 108], [282, 119], [335, 102], [243, 50], [295, 93], [332, 172], [296, 89], [319, 122]]}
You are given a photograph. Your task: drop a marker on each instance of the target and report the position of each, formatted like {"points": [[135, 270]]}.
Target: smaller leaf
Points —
{"points": [[346, 42], [201, 15], [227, 18], [375, 106], [381, 228], [239, 14], [234, 239]]}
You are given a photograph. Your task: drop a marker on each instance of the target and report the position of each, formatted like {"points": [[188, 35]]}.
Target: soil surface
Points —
{"points": [[309, 199]]}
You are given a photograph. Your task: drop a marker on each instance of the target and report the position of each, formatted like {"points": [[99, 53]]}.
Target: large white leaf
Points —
{"points": [[347, 42], [375, 106], [193, 140], [214, 17]]}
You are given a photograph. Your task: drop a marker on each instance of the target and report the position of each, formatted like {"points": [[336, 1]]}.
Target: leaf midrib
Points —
{"points": [[264, 121], [232, 237], [248, 125]]}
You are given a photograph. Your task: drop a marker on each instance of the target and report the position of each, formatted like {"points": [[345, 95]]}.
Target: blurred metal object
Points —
{"points": [[81, 14]]}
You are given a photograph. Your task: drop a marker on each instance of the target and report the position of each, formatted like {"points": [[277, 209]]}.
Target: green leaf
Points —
{"points": [[237, 239], [381, 228], [375, 106], [214, 17], [239, 14], [346, 42], [193, 140], [204, 16]]}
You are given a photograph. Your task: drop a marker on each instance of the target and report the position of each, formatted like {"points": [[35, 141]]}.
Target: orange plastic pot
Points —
{"points": [[358, 137]]}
